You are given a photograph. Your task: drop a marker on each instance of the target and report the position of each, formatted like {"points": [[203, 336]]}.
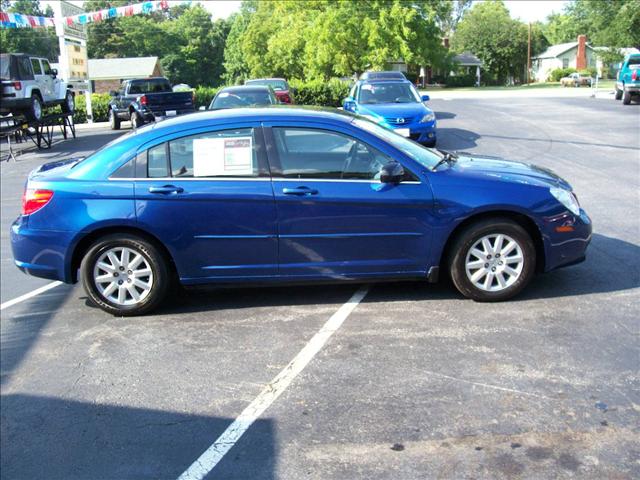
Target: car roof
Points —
{"points": [[382, 81], [385, 74], [267, 78], [246, 88]]}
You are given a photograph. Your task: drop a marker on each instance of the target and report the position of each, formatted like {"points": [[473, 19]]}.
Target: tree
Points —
{"points": [[36, 41], [489, 32]]}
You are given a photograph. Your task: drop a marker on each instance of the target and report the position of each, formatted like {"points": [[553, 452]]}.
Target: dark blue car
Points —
{"points": [[284, 195], [395, 104]]}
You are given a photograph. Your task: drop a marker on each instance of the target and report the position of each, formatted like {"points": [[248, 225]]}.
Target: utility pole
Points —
{"points": [[529, 56]]}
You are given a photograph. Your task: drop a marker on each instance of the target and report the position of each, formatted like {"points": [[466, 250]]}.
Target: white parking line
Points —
{"points": [[27, 296], [212, 456]]}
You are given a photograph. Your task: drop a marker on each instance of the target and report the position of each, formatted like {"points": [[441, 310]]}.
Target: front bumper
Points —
{"points": [[421, 132], [41, 253], [564, 248]]}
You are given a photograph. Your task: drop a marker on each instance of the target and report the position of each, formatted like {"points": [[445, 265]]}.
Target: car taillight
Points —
{"points": [[17, 85], [634, 75], [143, 100], [285, 98], [34, 200]]}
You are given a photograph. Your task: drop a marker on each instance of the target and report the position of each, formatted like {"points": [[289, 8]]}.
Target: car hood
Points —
{"points": [[507, 170], [393, 109]]}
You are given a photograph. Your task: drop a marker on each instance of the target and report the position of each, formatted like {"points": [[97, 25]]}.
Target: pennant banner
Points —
{"points": [[16, 20], [126, 11]]}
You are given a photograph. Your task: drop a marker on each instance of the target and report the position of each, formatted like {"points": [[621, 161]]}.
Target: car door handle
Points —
{"points": [[300, 191], [166, 189]]}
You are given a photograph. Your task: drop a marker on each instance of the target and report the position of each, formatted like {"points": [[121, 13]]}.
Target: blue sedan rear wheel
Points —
{"points": [[125, 275], [492, 260]]}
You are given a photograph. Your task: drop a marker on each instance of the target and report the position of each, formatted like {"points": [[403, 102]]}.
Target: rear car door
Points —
{"points": [[207, 196], [336, 219]]}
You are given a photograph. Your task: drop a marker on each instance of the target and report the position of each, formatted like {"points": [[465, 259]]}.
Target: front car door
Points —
{"points": [[207, 195], [49, 81], [336, 219]]}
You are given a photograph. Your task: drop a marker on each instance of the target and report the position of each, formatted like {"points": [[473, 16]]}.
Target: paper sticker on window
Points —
{"points": [[214, 157]]}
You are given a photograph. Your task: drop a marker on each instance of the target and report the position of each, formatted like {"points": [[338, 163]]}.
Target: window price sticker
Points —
{"points": [[215, 157]]}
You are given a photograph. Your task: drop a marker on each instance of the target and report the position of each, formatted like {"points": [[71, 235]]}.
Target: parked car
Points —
{"points": [[395, 104], [284, 93], [272, 195], [29, 84], [628, 79], [576, 80], [384, 75], [243, 96], [147, 100]]}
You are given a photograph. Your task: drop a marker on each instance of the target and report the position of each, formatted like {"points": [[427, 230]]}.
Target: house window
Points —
{"points": [[565, 63]]}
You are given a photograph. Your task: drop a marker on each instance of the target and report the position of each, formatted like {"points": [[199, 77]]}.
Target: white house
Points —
{"points": [[578, 55]]}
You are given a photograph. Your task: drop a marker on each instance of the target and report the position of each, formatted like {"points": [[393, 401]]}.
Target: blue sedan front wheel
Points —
{"points": [[492, 260]]}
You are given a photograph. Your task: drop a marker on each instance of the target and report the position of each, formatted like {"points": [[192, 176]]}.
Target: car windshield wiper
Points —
{"points": [[447, 157]]}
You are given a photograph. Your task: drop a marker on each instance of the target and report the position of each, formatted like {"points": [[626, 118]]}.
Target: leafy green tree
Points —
{"points": [[488, 31]]}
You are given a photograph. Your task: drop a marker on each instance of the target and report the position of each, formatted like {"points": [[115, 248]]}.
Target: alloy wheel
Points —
{"points": [[494, 262], [123, 276]]}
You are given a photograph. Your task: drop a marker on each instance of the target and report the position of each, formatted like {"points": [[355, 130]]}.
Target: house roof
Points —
{"points": [[467, 59], [557, 50], [121, 68]]}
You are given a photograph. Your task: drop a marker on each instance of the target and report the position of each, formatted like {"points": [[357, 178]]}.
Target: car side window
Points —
{"points": [[226, 153], [315, 153], [35, 64], [46, 67]]}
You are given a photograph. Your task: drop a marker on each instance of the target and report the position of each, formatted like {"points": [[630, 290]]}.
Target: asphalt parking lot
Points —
{"points": [[416, 383]]}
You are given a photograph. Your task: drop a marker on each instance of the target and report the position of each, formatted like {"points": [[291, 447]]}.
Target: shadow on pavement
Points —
{"points": [[53, 438], [457, 139], [444, 115], [61, 148], [567, 142], [20, 329]]}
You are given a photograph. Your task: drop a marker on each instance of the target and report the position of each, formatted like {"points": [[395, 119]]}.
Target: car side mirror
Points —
{"points": [[113, 93], [349, 105], [392, 172], [425, 98], [54, 72]]}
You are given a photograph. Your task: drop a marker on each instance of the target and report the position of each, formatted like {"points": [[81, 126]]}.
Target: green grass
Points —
{"points": [[602, 84]]}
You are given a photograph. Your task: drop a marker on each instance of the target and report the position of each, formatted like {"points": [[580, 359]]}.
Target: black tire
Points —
{"points": [[136, 120], [34, 112], [69, 103], [114, 121], [155, 260], [618, 94], [468, 238], [626, 97]]}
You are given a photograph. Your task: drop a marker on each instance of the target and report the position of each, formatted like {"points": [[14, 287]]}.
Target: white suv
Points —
{"points": [[29, 84]]}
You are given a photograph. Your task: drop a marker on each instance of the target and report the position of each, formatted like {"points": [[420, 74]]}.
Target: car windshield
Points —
{"points": [[423, 155], [158, 85], [372, 93], [241, 99], [275, 84]]}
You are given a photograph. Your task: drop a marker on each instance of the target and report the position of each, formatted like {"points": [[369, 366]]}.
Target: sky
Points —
{"points": [[525, 10]]}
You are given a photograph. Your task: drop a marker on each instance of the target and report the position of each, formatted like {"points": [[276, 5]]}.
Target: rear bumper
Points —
{"points": [[9, 104], [633, 88], [151, 115], [41, 253]]}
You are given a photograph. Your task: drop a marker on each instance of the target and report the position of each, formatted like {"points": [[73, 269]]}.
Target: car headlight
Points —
{"points": [[428, 118], [566, 198]]}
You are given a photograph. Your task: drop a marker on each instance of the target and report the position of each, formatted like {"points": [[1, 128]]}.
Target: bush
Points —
{"points": [[99, 107], [558, 73], [204, 95], [320, 92], [589, 72], [467, 80]]}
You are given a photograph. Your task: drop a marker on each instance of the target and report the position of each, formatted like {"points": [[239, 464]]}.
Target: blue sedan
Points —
{"points": [[273, 195], [395, 104]]}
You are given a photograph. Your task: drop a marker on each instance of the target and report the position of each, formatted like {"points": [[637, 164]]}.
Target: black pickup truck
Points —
{"points": [[146, 100]]}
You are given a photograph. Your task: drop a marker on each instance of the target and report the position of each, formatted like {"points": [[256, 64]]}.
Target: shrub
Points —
{"points": [[320, 92], [204, 95], [558, 73], [466, 80], [590, 72], [99, 107]]}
